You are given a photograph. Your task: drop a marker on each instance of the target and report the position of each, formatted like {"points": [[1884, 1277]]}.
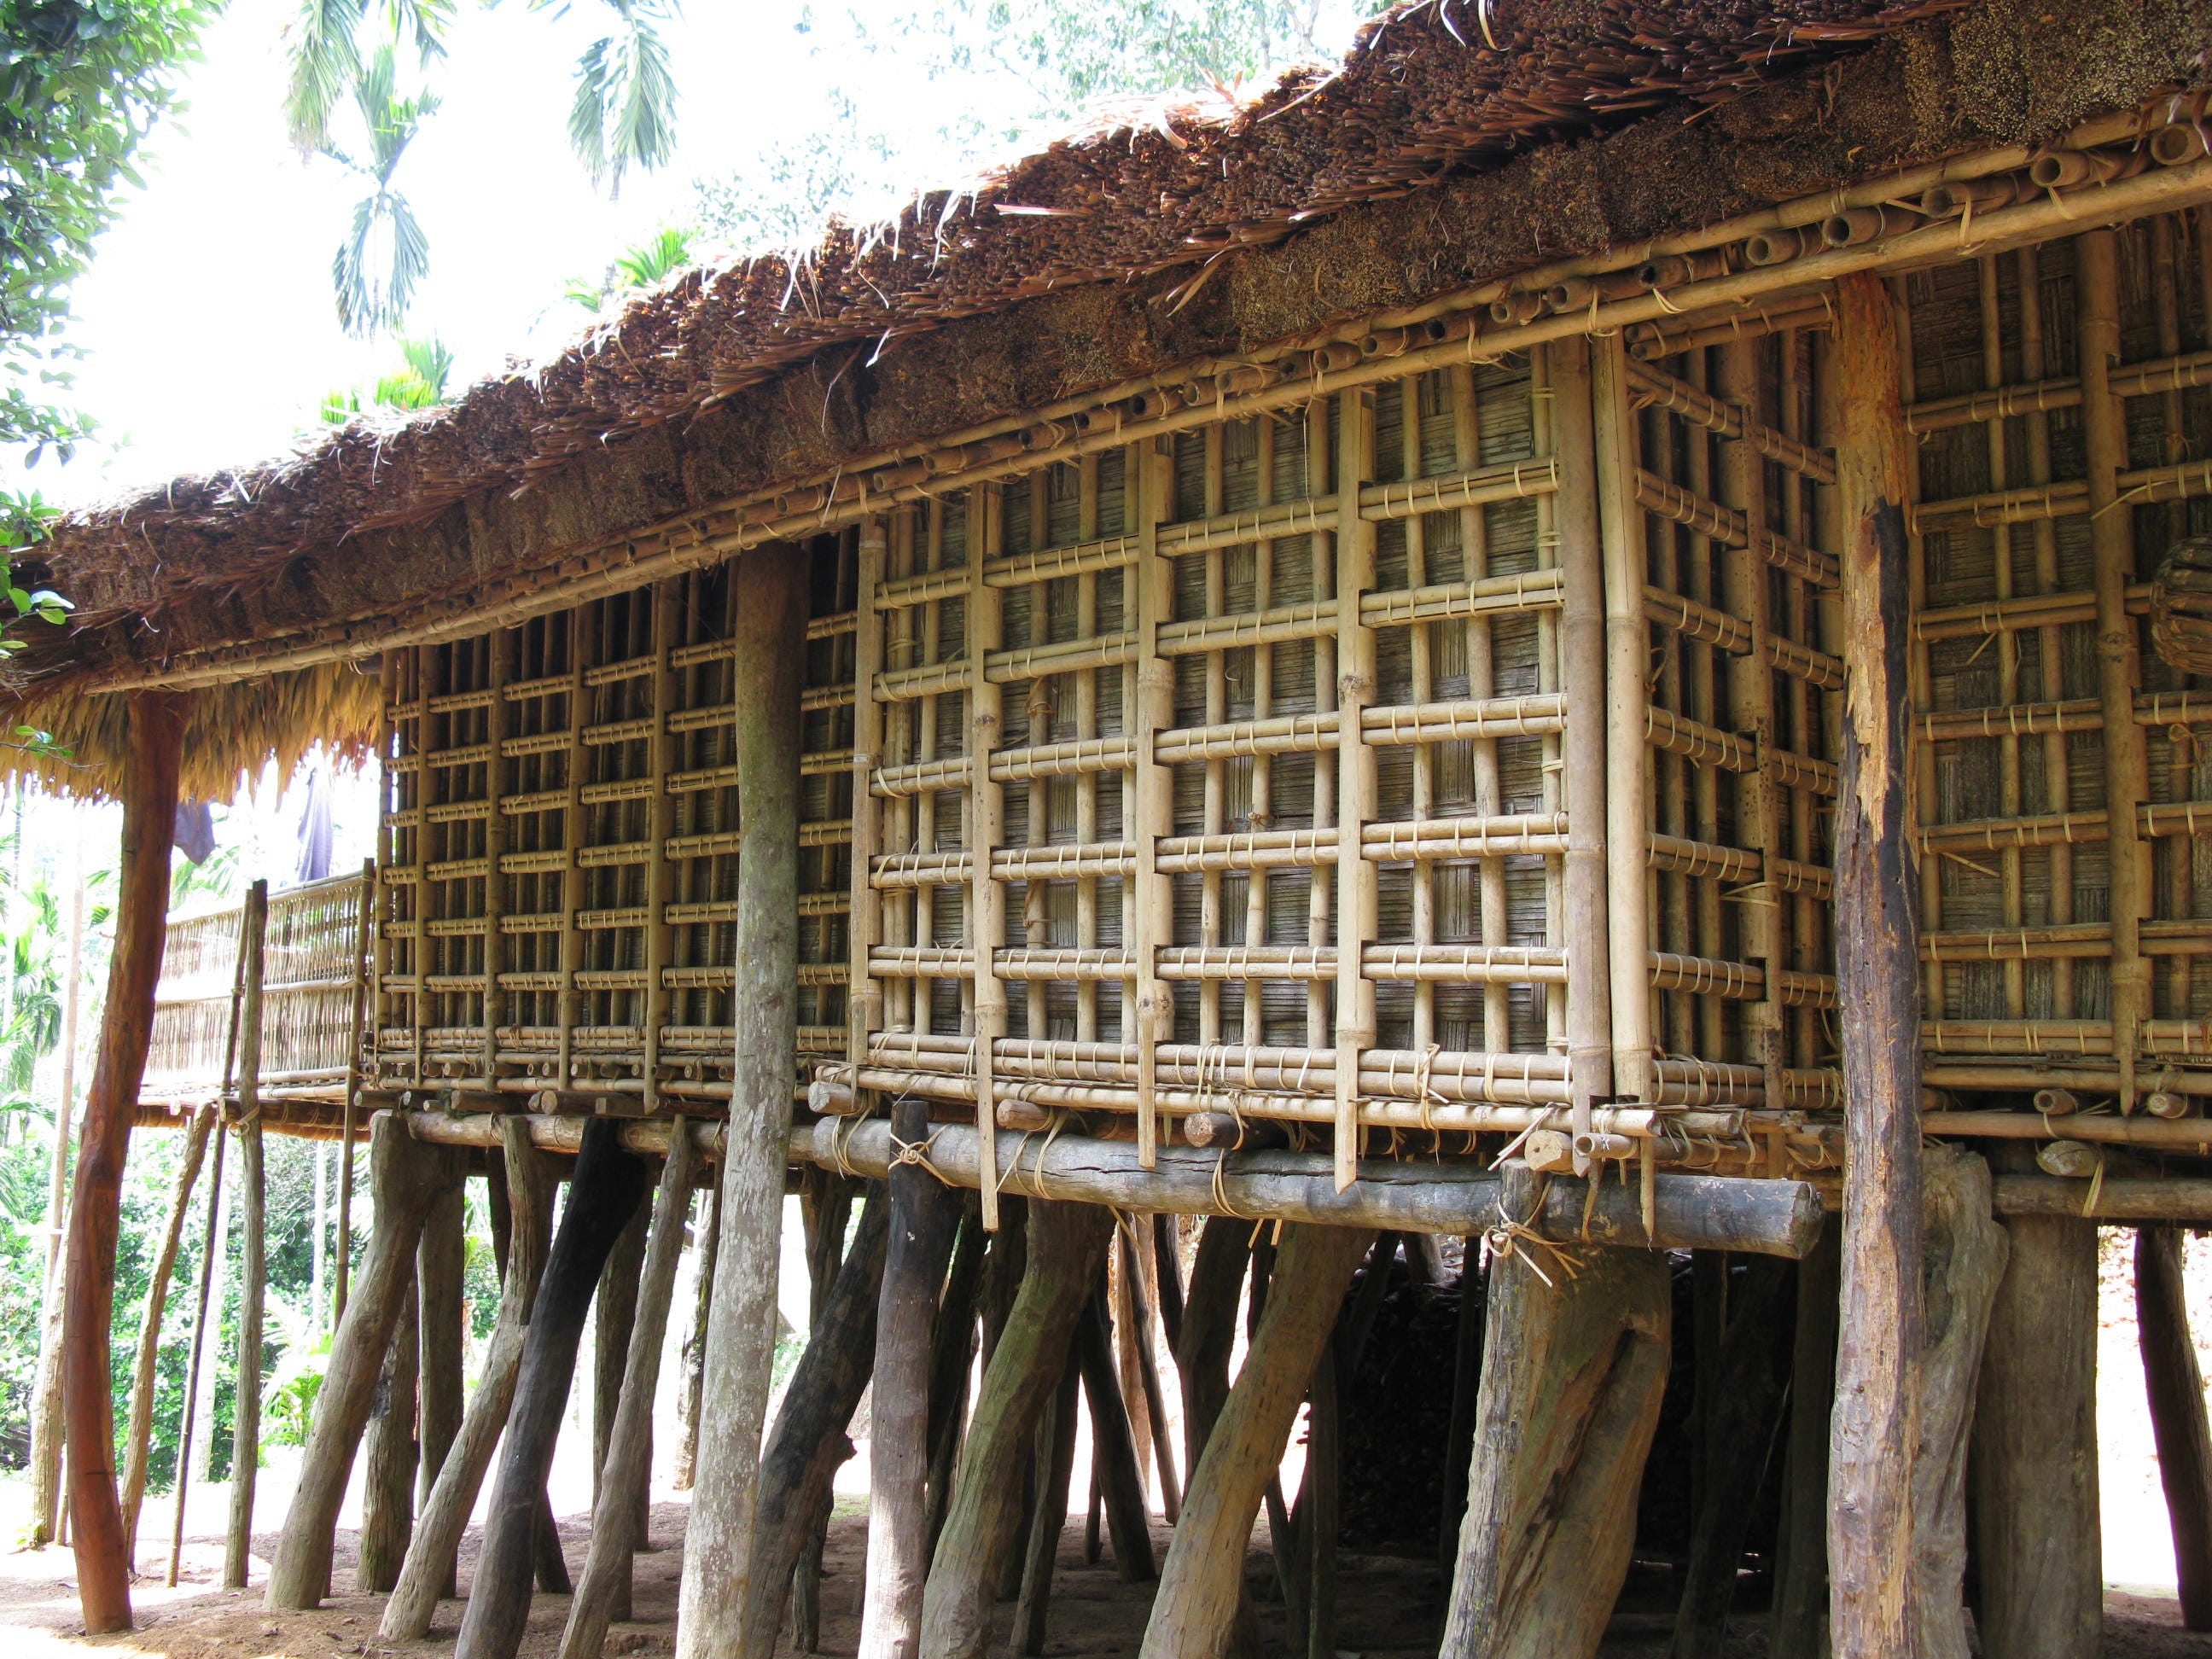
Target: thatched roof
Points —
{"points": [[1444, 150]]}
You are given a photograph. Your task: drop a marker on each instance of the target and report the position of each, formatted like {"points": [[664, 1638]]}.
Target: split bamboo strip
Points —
{"points": [[1354, 545], [987, 923]]}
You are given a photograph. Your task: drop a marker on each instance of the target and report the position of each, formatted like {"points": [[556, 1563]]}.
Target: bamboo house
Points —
{"points": [[1587, 634]]}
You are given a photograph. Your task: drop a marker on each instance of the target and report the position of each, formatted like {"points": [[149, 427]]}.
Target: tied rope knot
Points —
{"points": [[916, 1153], [1507, 1238]]}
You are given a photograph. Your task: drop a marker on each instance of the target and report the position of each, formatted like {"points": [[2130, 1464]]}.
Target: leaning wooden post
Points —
{"points": [[440, 1263], [149, 812], [138, 1437], [1066, 1245], [405, 1177], [428, 1568], [808, 1441], [47, 1394], [254, 1256], [1877, 956], [1795, 1622], [628, 1461], [603, 1195], [393, 1451], [706, 1233], [614, 1315], [769, 653], [1113, 1446], [1196, 1609], [2038, 1551], [2175, 1386], [1055, 1467], [924, 1215], [198, 1352], [825, 1206], [1572, 1373]]}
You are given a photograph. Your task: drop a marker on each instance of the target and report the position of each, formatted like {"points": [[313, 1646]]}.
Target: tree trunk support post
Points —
{"points": [[138, 1437], [1882, 1331], [2175, 1386], [254, 1264], [155, 738]]}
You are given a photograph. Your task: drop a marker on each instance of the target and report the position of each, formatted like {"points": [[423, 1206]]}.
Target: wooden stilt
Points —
{"points": [[1877, 954], [770, 595], [1195, 1614], [405, 1177], [1318, 1512], [1209, 1327], [1055, 1458], [826, 1208], [149, 810], [138, 1437], [925, 1214], [624, 1472], [440, 1262], [809, 1441], [1168, 1275], [1066, 1242], [2175, 1385], [1572, 1375], [394, 1450], [951, 1358], [1748, 1379], [253, 1263], [528, 1181], [1796, 1623], [603, 1195], [2039, 1556], [614, 1315], [695, 1347], [1112, 1447], [1467, 1378], [1966, 1260], [198, 1352], [47, 1392], [1144, 1339]]}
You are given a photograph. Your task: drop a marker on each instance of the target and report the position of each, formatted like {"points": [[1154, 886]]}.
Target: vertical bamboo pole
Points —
{"points": [[47, 1392], [659, 875], [865, 1005], [149, 810], [1356, 889], [770, 659], [138, 1437], [1149, 894], [253, 1265], [348, 1126], [1627, 706], [2119, 670], [72, 998], [1583, 663], [575, 834], [1870, 1541], [986, 899], [2050, 643], [501, 645], [198, 1351]]}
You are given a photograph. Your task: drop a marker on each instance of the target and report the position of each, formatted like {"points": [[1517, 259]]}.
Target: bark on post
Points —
{"points": [[695, 1346], [529, 1181], [394, 1450], [2037, 1546], [614, 1317], [138, 1437], [603, 1193], [1799, 1615], [440, 1261], [1113, 1447], [825, 1203], [603, 1593], [924, 1215], [808, 1441], [1870, 1548], [951, 1358], [198, 1354], [1209, 1327], [149, 810], [1467, 1380], [1143, 1337], [1966, 1258], [253, 1258], [1196, 1611], [1055, 1461], [404, 1175], [2175, 1386], [1572, 1374], [769, 651], [1066, 1244]]}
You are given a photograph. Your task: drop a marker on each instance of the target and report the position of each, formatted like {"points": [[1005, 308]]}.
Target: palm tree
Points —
{"points": [[420, 383], [384, 254], [623, 115], [637, 269]]}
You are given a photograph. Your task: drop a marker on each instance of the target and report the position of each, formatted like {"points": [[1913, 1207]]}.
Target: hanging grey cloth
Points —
{"points": [[193, 834], [315, 828]]}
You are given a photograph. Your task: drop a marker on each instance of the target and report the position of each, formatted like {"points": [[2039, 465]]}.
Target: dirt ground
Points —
{"points": [[1391, 1608]]}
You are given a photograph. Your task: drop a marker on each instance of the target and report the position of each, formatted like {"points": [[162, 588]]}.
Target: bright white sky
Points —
{"points": [[208, 313]]}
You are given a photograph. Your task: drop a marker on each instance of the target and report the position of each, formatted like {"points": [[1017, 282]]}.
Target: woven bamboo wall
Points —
{"points": [[309, 974], [2035, 499], [560, 841]]}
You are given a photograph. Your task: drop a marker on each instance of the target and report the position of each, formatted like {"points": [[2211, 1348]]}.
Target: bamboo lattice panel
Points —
{"points": [[309, 973], [2066, 879], [560, 844]]}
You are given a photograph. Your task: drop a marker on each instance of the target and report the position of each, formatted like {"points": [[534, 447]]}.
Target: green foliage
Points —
{"points": [[634, 270], [384, 254], [420, 382], [624, 112]]}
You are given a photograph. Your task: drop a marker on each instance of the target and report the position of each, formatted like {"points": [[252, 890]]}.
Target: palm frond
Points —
{"points": [[323, 55], [376, 269], [624, 113]]}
